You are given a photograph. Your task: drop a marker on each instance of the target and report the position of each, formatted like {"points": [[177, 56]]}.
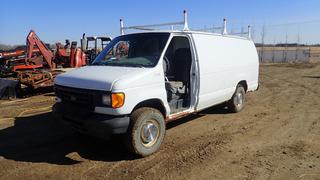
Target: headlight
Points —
{"points": [[117, 100], [106, 100]]}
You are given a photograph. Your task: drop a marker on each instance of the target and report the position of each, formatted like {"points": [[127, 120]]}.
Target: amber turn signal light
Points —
{"points": [[117, 100]]}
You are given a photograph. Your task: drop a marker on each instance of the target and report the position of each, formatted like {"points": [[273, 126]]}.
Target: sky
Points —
{"points": [[57, 20]]}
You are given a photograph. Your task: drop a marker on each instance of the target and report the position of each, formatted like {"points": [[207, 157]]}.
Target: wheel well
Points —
{"points": [[153, 103], [244, 84]]}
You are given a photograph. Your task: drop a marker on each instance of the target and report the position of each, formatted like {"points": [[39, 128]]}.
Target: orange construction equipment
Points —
{"points": [[39, 71]]}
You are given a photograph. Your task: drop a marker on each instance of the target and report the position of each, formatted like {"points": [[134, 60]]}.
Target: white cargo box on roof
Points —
{"points": [[142, 80]]}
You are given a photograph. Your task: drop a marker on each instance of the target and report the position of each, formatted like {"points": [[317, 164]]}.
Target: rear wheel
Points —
{"points": [[146, 131], [237, 102]]}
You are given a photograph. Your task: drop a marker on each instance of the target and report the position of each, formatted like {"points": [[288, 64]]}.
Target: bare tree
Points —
{"points": [[285, 51], [297, 48], [263, 34]]}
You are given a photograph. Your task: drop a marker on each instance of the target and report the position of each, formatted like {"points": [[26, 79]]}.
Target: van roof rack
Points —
{"points": [[185, 27], [224, 30], [149, 27]]}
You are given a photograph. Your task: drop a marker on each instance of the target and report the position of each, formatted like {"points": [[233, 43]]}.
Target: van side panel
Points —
{"points": [[224, 62]]}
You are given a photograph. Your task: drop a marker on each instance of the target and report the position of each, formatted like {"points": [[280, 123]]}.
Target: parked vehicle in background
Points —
{"points": [[141, 81], [93, 45]]}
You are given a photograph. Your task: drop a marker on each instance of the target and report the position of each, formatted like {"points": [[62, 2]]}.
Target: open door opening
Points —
{"points": [[177, 66]]}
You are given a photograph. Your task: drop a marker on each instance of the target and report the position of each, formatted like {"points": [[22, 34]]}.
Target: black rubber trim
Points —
{"points": [[99, 125]]}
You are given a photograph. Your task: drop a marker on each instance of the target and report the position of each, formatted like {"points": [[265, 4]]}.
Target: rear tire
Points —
{"points": [[146, 131], [237, 102]]}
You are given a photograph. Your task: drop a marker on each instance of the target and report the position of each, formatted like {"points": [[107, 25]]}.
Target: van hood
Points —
{"points": [[96, 77]]}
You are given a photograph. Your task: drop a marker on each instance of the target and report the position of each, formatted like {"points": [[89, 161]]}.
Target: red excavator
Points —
{"points": [[16, 53], [39, 71], [14, 57], [73, 58], [44, 60], [35, 71]]}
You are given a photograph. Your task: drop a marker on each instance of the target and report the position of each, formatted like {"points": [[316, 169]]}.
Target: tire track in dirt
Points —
{"points": [[276, 167], [292, 82], [174, 158]]}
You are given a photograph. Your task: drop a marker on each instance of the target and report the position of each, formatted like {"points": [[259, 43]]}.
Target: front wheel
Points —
{"points": [[146, 131], [237, 102]]}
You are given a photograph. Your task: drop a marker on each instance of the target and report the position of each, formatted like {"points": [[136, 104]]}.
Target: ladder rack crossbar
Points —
{"points": [[208, 29], [239, 33], [154, 25]]}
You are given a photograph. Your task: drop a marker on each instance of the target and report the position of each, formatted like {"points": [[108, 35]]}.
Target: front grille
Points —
{"points": [[82, 99], [76, 97]]}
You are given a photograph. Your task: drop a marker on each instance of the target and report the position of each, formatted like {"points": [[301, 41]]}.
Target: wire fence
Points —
{"points": [[284, 55], [288, 42], [289, 55]]}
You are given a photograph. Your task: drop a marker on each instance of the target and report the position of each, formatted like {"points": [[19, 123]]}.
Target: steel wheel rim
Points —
{"points": [[150, 133], [239, 99]]}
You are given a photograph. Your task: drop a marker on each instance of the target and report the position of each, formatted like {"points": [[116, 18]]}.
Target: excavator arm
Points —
{"points": [[32, 40]]}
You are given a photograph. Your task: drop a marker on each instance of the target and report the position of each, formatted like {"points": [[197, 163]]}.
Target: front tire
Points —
{"points": [[146, 131], [237, 102]]}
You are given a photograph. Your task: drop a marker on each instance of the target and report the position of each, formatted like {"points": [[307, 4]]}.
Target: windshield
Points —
{"points": [[133, 50]]}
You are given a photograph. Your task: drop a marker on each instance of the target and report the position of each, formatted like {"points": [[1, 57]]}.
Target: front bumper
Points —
{"points": [[99, 125]]}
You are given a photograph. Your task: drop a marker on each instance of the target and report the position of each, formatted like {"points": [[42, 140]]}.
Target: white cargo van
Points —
{"points": [[141, 81]]}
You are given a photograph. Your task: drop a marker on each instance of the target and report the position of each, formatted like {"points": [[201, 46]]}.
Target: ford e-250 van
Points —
{"points": [[141, 81]]}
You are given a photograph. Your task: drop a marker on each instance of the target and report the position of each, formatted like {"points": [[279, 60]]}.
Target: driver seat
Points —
{"points": [[182, 63]]}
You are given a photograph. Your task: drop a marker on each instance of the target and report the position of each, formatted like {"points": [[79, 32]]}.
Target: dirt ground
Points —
{"points": [[277, 136]]}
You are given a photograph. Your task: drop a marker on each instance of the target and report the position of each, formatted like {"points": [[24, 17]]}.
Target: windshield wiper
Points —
{"points": [[136, 65], [96, 63], [124, 65], [110, 63]]}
